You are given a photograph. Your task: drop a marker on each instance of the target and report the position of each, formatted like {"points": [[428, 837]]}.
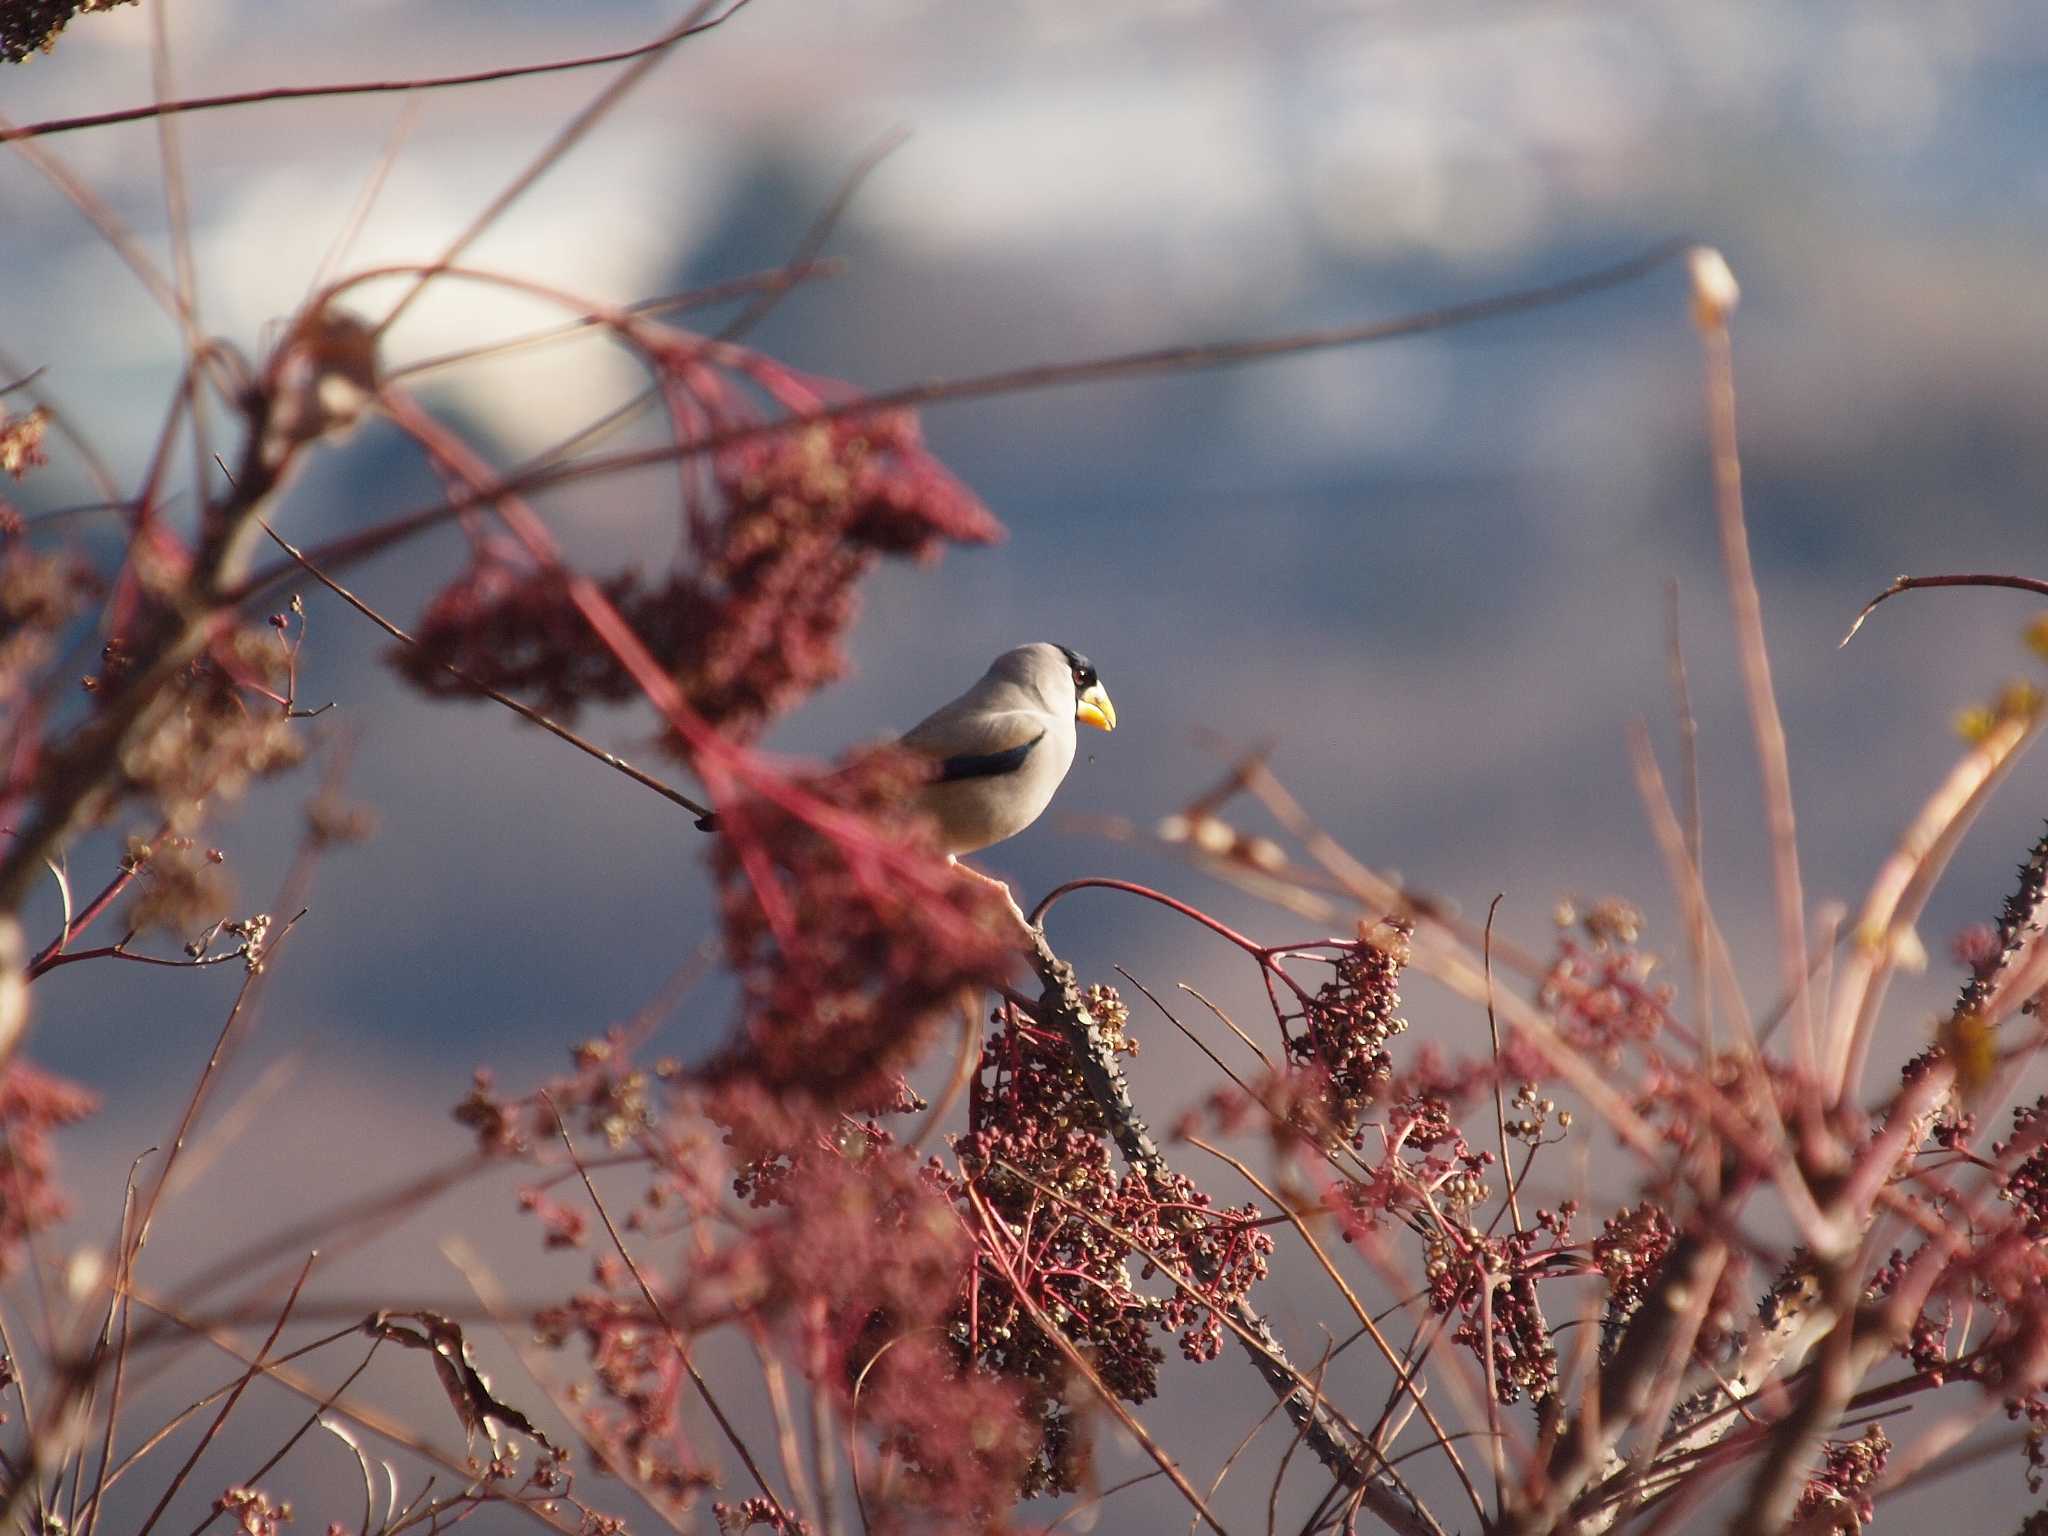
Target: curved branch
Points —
{"points": [[1915, 583], [1132, 888]]}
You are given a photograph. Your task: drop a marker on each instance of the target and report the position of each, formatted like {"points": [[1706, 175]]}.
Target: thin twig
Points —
{"points": [[58, 125], [1917, 583], [118, 1301], [1695, 834], [1087, 1372], [775, 278], [1767, 725], [1009, 381], [171, 1426], [1500, 1111], [312, 1419], [660, 1312], [1095, 1500], [1231, 1025], [377, 1423], [251, 986], [524, 711], [639, 64], [1368, 1325], [228, 1407]]}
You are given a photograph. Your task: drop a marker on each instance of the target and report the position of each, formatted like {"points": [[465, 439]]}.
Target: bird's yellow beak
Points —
{"points": [[1094, 709]]}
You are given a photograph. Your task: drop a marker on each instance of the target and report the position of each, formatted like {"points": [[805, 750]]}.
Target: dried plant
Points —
{"points": [[1784, 1253]]}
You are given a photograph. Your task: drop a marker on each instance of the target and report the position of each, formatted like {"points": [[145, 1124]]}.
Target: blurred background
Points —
{"points": [[1431, 575]]}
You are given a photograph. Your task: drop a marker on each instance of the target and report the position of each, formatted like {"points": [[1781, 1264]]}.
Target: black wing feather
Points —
{"points": [[986, 765]]}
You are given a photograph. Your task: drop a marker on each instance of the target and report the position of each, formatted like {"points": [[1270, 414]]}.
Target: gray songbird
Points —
{"points": [[1005, 744], [1002, 748]]}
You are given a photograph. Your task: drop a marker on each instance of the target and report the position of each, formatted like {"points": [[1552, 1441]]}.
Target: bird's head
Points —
{"points": [[1091, 699]]}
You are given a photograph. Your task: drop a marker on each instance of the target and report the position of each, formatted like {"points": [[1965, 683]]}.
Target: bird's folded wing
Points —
{"points": [[979, 744]]}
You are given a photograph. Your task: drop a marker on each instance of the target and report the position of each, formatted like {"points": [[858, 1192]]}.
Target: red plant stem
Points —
{"points": [[1132, 888], [53, 952], [1265, 954], [722, 764], [769, 281]]}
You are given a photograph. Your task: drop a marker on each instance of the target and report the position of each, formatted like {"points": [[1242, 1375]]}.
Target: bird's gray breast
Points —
{"points": [[982, 798]]}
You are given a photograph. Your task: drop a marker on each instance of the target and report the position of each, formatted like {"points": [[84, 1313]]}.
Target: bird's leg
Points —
{"points": [[1003, 886]]}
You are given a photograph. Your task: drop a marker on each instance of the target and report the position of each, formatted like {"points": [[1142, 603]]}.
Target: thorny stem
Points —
{"points": [[1191, 1214]]}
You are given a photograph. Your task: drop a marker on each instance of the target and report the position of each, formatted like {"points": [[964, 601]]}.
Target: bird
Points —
{"points": [[1001, 749], [1004, 746]]}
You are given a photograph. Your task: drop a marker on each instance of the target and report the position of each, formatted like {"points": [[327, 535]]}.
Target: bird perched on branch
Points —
{"points": [[1003, 747]]}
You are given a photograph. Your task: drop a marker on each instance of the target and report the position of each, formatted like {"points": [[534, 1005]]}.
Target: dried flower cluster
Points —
{"points": [[1341, 1033], [39, 595], [1060, 1233], [608, 1095], [1629, 1253], [28, 27], [253, 1512], [850, 936], [21, 441], [853, 1258], [32, 1105], [795, 519], [1490, 1282], [806, 514], [1839, 1494], [1599, 985], [935, 1320]]}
